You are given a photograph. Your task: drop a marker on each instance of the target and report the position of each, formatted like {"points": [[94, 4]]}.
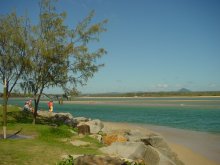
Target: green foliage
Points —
{"points": [[75, 129], [67, 161], [61, 56], [14, 49], [132, 163], [53, 133]]}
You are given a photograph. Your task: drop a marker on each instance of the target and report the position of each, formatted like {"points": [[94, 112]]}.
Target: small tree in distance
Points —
{"points": [[61, 56]]}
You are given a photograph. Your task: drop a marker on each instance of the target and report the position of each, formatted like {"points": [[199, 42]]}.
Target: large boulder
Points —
{"points": [[70, 122], [81, 119], [168, 157], [97, 160], [47, 114], [134, 151], [63, 116], [151, 156], [111, 138], [156, 141], [59, 118], [95, 125], [83, 129], [134, 135]]}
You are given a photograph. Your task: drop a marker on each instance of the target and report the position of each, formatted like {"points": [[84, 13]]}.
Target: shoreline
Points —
{"points": [[97, 97], [192, 147], [203, 143], [149, 103]]}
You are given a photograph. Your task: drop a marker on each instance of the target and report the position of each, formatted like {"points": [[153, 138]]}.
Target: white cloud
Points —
{"points": [[163, 85], [212, 85]]}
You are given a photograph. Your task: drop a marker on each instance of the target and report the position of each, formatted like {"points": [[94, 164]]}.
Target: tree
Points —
{"points": [[61, 56], [14, 59]]}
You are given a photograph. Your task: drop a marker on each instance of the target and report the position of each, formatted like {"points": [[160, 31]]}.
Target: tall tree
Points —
{"points": [[61, 56], [14, 59]]}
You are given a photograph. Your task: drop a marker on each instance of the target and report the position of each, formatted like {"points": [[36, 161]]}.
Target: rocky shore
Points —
{"points": [[122, 142]]}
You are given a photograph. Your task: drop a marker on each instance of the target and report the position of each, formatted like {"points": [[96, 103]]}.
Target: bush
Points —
{"points": [[49, 133], [67, 161]]}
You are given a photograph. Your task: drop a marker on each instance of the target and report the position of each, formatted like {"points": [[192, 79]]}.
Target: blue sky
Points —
{"points": [[153, 45]]}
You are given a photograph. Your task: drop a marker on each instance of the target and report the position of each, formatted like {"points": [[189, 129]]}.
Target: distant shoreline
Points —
{"points": [[183, 102], [126, 97], [87, 97]]}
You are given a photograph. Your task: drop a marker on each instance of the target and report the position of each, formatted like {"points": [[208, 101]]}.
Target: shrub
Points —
{"points": [[67, 161]]}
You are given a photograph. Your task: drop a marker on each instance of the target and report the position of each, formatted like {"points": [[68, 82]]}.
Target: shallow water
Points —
{"points": [[199, 114]]}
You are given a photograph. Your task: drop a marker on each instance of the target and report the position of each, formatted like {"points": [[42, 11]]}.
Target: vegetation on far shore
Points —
{"points": [[134, 94], [156, 94]]}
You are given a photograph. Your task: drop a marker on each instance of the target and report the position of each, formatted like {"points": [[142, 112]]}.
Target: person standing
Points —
{"points": [[50, 106]]}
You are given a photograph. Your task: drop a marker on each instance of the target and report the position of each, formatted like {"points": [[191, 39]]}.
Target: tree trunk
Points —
{"points": [[35, 111], [5, 102], [36, 104]]}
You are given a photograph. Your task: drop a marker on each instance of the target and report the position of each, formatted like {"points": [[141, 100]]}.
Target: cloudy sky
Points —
{"points": [[153, 45]]}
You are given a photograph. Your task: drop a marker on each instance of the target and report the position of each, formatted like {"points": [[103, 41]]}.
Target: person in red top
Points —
{"points": [[50, 106]]}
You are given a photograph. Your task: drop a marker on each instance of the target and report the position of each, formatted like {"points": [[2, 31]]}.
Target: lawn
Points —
{"points": [[46, 144]]}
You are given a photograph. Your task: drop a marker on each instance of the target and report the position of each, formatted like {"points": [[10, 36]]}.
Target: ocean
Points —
{"points": [[190, 113]]}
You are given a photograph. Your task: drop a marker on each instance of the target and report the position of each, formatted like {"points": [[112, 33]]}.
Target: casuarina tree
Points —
{"points": [[61, 55], [14, 55]]}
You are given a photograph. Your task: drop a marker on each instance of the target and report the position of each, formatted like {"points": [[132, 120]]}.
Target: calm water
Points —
{"points": [[200, 114]]}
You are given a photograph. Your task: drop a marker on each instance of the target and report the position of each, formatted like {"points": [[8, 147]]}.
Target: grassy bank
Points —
{"points": [[45, 144]]}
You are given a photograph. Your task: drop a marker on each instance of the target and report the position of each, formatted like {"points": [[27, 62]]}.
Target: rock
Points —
{"points": [[95, 125], [45, 114], [79, 143], [135, 135], [151, 156], [70, 122], [155, 141], [81, 119], [73, 156], [83, 129], [109, 139], [166, 154], [97, 137], [97, 160], [59, 118], [136, 151], [129, 150], [166, 161]]}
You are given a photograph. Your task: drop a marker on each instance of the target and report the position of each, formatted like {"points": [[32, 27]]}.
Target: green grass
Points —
{"points": [[46, 145]]}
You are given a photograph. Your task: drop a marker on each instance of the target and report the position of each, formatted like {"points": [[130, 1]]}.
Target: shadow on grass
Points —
{"points": [[27, 118], [20, 117]]}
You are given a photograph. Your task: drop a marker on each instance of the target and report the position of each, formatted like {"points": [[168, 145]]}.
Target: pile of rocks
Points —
{"points": [[132, 145], [95, 126], [150, 149]]}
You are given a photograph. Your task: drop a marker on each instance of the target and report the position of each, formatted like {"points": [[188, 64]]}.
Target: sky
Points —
{"points": [[152, 45]]}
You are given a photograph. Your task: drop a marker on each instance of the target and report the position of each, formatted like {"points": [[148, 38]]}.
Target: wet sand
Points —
{"points": [[204, 145], [193, 148], [132, 101]]}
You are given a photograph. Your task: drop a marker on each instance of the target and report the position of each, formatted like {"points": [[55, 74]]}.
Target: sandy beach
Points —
{"points": [[193, 148], [143, 101]]}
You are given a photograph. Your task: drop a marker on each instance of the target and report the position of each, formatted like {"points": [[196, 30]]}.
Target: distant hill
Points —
{"points": [[184, 90]]}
